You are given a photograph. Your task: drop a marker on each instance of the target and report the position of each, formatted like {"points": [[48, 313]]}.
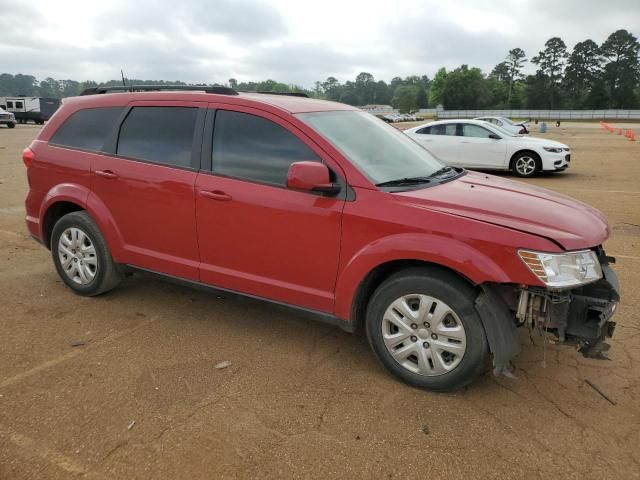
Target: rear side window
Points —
{"points": [[87, 129], [254, 148], [425, 131], [159, 134], [9, 104], [444, 129]]}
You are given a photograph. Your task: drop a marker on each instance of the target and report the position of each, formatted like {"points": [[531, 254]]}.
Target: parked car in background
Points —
{"points": [[7, 118], [520, 128], [322, 207], [400, 117], [30, 109], [482, 145]]}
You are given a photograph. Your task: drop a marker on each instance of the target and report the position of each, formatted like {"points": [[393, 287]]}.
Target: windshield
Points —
{"points": [[508, 120], [378, 150]]}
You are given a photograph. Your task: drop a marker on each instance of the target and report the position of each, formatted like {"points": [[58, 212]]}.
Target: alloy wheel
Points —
{"points": [[526, 165]]}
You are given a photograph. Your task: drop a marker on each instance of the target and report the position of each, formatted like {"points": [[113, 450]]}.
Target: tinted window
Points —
{"points": [[87, 129], [470, 130], [18, 104], [255, 148], [9, 104], [425, 131], [444, 129], [159, 134]]}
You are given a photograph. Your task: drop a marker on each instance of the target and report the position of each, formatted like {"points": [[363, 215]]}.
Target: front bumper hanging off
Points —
{"points": [[579, 316]]}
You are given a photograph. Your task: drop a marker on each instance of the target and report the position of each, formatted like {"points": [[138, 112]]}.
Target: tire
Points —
{"points": [[526, 164], [81, 256], [11, 125], [425, 340]]}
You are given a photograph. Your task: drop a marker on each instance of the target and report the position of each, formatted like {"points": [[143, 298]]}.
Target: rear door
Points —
{"points": [[479, 150], [147, 184], [256, 236]]}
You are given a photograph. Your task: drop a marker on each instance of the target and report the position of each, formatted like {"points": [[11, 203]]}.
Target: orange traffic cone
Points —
{"points": [[632, 136], [619, 131]]}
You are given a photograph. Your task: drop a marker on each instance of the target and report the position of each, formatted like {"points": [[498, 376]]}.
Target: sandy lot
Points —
{"points": [[301, 399]]}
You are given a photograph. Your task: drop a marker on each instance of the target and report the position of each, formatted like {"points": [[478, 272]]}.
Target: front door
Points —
{"points": [[255, 235]]}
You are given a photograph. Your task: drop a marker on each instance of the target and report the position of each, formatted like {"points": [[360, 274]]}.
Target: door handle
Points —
{"points": [[216, 195], [106, 174]]}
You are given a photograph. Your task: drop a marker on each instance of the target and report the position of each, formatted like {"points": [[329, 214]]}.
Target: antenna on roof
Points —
{"points": [[124, 84]]}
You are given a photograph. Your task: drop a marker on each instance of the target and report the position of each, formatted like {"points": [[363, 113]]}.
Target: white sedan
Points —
{"points": [[507, 124], [481, 145]]}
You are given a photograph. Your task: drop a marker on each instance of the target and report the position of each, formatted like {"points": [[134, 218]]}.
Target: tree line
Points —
{"points": [[591, 76]]}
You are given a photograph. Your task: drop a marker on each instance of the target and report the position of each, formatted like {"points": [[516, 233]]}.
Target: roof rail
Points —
{"points": [[289, 94], [155, 88]]}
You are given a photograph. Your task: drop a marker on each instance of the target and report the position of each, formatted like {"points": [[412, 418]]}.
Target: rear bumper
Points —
{"points": [[32, 205]]}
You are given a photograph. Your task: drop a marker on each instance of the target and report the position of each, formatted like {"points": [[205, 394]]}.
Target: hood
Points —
{"points": [[542, 141], [517, 205]]}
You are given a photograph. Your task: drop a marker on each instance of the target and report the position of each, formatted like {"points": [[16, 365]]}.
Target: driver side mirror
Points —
{"points": [[312, 177], [493, 136]]}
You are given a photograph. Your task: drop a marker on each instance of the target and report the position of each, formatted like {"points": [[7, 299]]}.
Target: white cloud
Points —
{"points": [[287, 40]]}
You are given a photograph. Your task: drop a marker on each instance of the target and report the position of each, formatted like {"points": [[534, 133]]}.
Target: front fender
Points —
{"points": [[445, 251]]}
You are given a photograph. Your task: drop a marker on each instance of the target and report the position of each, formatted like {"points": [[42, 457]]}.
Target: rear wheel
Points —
{"points": [[81, 256], [423, 327], [526, 164], [11, 125]]}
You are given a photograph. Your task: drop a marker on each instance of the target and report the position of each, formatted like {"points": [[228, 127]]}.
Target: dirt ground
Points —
{"points": [[124, 385]]}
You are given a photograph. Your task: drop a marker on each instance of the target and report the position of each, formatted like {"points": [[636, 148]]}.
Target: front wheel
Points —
{"points": [[81, 256], [526, 164], [422, 325]]}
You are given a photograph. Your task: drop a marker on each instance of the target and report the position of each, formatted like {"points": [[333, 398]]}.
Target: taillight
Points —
{"points": [[28, 157]]}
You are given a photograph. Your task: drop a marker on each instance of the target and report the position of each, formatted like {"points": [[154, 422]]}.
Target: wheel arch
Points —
{"points": [[533, 153], [68, 198], [375, 277], [53, 213], [367, 267]]}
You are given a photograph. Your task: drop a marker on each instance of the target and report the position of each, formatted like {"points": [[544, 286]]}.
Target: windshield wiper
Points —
{"points": [[442, 171], [404, 181]]}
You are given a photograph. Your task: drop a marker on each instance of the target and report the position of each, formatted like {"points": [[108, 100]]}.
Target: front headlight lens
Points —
{"points": [[553, 149], [560, 270]]}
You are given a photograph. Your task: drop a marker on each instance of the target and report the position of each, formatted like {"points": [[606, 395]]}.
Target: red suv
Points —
{"points": [[321, 207]]}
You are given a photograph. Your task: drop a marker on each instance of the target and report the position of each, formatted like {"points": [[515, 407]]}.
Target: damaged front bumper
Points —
{"points": [[579, 316]]}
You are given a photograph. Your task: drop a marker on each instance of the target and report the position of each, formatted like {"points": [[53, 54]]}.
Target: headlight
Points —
{"points": [[559, 270], [553, 149]]}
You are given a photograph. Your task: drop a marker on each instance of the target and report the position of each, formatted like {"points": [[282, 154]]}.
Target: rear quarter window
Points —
{"points": [[87, 129]]}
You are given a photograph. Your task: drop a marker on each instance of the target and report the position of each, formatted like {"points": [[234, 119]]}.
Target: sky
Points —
{"points": [[292, 41]]}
